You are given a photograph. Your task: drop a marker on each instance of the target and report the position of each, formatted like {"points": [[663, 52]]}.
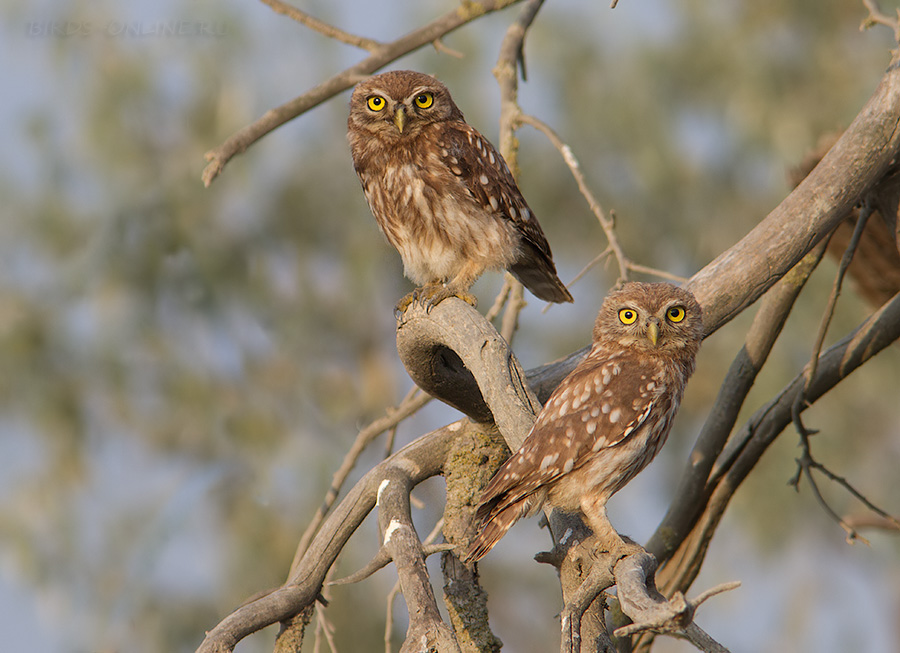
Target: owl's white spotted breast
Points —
{"points": [[614, 406], [444, 227]]}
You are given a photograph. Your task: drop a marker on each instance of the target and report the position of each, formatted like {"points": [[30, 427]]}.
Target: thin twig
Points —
{"points": [[238, 142], [413, 401], [606, 223], [323, 28], [505, 71], [656, 272], [866, 520], [410, 396], [594, 261], [500, 299], [389, 617], [511, 56], [443, 48], [876, 17], [323, 624], [712, 591], [392, 437], [863, 217], [840, 480], [324, 628], [806, 463], [514, 307]]}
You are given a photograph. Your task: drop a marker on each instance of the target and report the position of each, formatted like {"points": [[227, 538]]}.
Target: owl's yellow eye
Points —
{"points": [[375, 103], [627, 316], [424, 100], [675, 313]]}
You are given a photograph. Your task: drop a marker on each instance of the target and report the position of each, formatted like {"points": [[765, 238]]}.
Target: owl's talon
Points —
{"points": [[618, 548], [404, 303], [468, 298], [430, 296]]}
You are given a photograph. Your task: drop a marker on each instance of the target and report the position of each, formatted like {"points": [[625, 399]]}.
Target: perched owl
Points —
{"points": [[442, 195], [606, 420]]}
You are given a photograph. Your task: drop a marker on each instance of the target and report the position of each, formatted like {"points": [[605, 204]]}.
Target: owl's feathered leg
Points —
{"points": [[607, 537]]}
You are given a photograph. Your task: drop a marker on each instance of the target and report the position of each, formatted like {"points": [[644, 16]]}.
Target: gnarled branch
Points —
{"points": [[419, 460]]}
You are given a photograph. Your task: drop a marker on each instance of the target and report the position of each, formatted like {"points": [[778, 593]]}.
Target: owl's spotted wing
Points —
{"points": [[584, 416], [483, 172], [584, 419], [479, 166]]}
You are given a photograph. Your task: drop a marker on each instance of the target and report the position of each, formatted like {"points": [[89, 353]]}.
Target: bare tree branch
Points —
{"points": [[413, 401], [512, 55], [575, 168], [857, 162], [651, 611], [426, 631], [867, 520], [454, 354], [382, 559], [273, 118], [419, 460], [323, 28], [877, 17], [745, 449], [764, 331], [506, 72], [828, 313]]}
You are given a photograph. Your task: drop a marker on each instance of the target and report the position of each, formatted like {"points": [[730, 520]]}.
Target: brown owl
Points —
{"points": [[606, 420], [442, 195]]}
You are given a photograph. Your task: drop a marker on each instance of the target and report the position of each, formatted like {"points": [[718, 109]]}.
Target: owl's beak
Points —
{"points": [[653, 330], [399, 119]]}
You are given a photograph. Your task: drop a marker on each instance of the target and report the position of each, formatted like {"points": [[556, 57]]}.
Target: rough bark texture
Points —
{"points": [[475, 455]]}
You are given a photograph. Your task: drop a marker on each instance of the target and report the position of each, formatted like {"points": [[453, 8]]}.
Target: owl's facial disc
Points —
{"points": [[400, 118]]}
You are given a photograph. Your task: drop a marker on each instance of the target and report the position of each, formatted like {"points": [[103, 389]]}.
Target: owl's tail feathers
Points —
{"points": [[491, 528], [539, 276]]}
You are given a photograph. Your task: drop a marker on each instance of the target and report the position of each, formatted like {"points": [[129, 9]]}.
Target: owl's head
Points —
{"points": [[652, 317], [399, 104]]}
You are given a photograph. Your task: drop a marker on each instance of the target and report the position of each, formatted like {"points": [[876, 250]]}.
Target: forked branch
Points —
{"points": [[382, 55]]}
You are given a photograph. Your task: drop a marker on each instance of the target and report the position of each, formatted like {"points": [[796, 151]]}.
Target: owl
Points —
{"points": [[607, 419], [441, 193]]}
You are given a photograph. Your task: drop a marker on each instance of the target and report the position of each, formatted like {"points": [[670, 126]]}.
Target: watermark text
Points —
{"points": [[120, 29]]}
